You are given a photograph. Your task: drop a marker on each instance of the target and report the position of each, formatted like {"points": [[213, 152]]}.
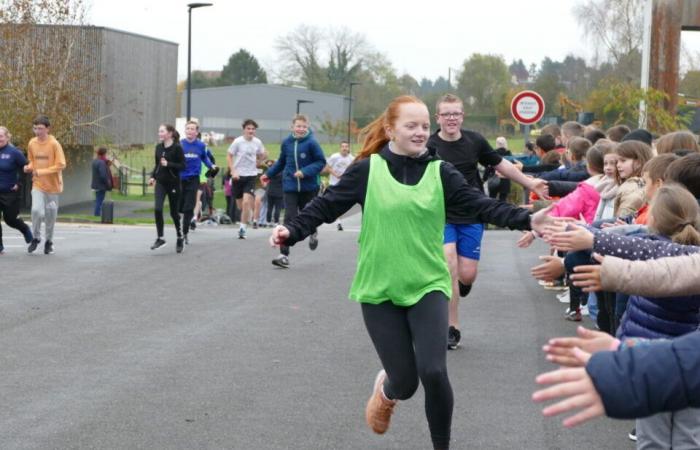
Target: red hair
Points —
{"points": [[373, 136]]}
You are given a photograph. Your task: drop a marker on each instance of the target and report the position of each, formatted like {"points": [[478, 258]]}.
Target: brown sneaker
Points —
{"points": [[379, 408]]}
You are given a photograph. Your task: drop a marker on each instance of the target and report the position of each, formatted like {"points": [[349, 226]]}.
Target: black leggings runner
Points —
{"points": [[294, 202], [9, 209], [173, 194], [412, 344]]}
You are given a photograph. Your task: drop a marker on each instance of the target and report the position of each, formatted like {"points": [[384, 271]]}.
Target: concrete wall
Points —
{"points": [[223, 109], [139, 82]]}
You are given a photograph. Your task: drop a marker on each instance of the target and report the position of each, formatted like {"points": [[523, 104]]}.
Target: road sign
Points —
{"points": [[527, 107]]}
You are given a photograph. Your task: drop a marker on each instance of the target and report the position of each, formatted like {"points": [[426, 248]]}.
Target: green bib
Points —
{"points": [[401, 256]]}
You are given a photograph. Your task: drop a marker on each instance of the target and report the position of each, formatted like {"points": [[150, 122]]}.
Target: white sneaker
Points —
{"points": [[564, 297], [584, 310]]}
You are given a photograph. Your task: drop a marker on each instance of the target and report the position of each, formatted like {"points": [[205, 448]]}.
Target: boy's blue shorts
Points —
{"points": [[467, 237]]}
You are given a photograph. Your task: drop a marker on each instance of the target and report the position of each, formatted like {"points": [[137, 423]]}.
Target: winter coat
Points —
{"points": [[676, 275], [582, 202], [653, 317], [302, 154], [577, 172], [101, 175], [630, 197]]}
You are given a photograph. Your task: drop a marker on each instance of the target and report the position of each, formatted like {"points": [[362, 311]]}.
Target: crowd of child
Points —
{"points": [[615, 192]]}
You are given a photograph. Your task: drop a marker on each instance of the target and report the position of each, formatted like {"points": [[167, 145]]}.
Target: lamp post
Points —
{"points": [[352, 83], [190, 7], [299, 102]]}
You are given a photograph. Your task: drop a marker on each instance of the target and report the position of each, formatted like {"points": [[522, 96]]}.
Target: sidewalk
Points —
{"points": [[127, 209]]}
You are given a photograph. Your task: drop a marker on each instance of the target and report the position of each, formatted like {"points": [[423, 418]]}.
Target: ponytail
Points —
{"points": [[688, 235], [674, 212], [373, 136], [173, 132]]}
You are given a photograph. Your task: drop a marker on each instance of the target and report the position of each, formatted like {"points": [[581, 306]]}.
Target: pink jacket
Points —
{"points": [[582, 201]]}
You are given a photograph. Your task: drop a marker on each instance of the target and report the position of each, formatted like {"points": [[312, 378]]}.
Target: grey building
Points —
{"points": [[126, 85], [223, 109]]}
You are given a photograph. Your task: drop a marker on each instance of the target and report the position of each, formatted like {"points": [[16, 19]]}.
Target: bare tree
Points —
{"points": [[47, 68], [325, 60], [616, 29], [300, 55]]}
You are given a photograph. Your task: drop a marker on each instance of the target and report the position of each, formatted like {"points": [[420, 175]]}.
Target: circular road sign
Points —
{"points": [[527, 107]]}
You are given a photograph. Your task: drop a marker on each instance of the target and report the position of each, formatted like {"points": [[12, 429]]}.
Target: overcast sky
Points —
{"points": [[423, 41]]}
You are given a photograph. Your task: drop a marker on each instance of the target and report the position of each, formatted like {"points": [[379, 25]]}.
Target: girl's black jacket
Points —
{"points": [[170, 174], [352, 188]]}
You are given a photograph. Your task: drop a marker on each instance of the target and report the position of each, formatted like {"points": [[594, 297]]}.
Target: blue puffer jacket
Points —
{"points": [[657, 318], [299, 154]]}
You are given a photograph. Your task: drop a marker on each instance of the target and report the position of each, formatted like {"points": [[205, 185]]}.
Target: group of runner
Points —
{"points": [[45, 162]]}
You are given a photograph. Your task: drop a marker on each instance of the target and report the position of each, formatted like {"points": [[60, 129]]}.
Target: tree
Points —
{"points": [[519, 71], [45, 70], [616, 102], [690, 84], [322, 60], [201, 80], [548, 85], [242, 68], [616, 28], [300, 55], [484, 79]]}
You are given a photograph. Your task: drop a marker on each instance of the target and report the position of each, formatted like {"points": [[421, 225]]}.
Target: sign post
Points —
{"points": [[527, 108]]}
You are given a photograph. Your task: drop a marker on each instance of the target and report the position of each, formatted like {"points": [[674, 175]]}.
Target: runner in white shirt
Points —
{"points": [[244, 155], [336, 166]]}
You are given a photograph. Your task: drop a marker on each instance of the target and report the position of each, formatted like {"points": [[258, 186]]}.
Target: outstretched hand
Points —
{"points": [[588, 277], [551, 269], [578, 392], [279, 235], [540, 188], [574, 239], [562, 350], [526, 239]]}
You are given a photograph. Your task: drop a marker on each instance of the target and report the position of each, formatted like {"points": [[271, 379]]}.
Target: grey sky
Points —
{"points": [[422, 41]]}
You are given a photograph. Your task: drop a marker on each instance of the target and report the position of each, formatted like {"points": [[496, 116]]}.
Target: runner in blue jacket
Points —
{"points": [[301, 162]]}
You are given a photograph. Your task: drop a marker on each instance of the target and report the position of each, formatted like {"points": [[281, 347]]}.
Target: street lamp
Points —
{"points": [[299, 102], [352, 83], [190, 7]]}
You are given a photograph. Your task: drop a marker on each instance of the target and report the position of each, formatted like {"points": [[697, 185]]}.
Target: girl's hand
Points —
{"points": [[264, 179], [151, 181], [526, 240], [588, 277], [578, 391], [298, 174], [540, 188], [163, 162], [577, 239], [279, 235], [562, 351], [551, 269]]}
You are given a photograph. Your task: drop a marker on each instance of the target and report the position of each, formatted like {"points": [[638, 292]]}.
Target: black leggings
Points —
{"points": [[274, 203], [412, 344], [173, 194], [9, 209], [188, 200], [294, 202]]}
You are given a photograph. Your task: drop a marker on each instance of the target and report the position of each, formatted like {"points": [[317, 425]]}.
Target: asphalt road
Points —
{"points": [[109, 345]]}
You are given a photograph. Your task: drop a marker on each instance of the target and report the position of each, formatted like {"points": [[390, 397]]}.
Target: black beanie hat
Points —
{"points": [[640, 134]]}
